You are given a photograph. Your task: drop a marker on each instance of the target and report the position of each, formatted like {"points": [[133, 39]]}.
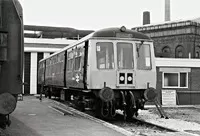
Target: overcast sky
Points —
{"points": [[97, 14]]}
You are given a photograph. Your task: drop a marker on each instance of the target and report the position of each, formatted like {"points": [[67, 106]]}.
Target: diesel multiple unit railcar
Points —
{"points": [[109, 69], [11, 57]]}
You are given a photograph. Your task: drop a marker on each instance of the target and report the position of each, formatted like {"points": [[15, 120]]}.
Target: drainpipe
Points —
{"points": [[195, 34]]}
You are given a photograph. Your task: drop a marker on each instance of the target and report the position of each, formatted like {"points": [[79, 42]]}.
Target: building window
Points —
{"points": [[175, 80], [179, 51], [197, 55], [197, 52], [166, 49]]}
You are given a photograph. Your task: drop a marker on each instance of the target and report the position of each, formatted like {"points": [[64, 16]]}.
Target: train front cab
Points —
{"points": [[123, 70]]}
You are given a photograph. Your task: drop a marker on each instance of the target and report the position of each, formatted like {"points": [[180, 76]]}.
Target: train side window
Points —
{"points": [[105, 55], [70, 61], [78, 55], [144, 57], [3, 46]]}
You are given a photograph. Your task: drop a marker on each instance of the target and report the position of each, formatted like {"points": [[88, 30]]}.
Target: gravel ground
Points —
{"points": [[185, 119], [2, 133]]}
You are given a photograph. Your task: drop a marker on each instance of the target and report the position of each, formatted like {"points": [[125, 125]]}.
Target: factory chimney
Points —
{"points": [[146, 17], [167, 10]]}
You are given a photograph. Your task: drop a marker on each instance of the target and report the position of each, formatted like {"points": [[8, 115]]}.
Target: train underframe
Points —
{"points": [[104, 102]]}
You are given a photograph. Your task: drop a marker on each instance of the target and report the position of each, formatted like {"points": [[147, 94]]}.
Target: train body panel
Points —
{"points": [[97, 74], [146, 72], [75, 66], [54, 74], [11, 57], [41, 72], [101, 73], [11, 48]]}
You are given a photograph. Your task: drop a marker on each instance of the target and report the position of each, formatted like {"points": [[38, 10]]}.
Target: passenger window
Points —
{"points": [[78, 56], [3, 46], [70, 61], [144, 57], [105, 55]]}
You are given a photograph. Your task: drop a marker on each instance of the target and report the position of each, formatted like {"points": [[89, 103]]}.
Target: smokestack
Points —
{"points": [[146, 17], [167, 10]]}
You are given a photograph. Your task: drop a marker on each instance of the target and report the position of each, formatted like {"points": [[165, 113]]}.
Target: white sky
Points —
{"points": [[98, 14]]}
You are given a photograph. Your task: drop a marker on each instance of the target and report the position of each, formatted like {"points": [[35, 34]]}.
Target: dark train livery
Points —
{"points": [[11, 57], [107, 70]]}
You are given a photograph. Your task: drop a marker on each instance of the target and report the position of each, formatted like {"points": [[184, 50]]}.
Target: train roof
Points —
{"points": [[108, 33], [128, 33]]}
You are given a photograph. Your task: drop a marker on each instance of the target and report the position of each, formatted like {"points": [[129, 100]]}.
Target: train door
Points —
{"points": [[85, 64], [102, 68], [146, 69], [125, 64], [69, 67], [78, 66], [75, 66]]}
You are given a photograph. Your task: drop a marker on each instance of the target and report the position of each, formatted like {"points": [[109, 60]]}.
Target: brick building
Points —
{"points": [[175, 39], [177, 48]]}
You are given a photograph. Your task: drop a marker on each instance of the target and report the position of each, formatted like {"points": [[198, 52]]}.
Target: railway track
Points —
{"points": [[135, 126], [139, 126]]}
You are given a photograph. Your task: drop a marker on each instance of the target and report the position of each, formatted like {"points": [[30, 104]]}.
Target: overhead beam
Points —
{"points": [[56, 32]]}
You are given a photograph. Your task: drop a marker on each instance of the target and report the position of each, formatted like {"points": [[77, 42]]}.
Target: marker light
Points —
{"points": [[123, 29]]}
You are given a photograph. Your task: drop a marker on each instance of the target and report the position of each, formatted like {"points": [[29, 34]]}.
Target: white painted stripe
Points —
{"points": [[33, 73], [174, 69], [50, 41], [174, 62], [35, 49]]}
